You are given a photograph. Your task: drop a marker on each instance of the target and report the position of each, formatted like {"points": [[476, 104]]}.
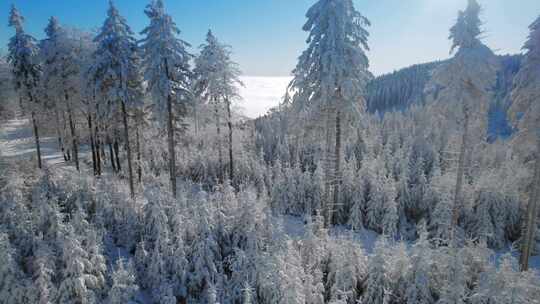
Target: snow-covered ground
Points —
{"points": [[17, 142], [260, 94]]}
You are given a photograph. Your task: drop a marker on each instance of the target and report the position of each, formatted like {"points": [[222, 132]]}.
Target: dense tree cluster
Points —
{"points": [[153, 212]]}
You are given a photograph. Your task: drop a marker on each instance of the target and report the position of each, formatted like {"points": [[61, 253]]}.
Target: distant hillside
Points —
{"points": [[401, 89]]}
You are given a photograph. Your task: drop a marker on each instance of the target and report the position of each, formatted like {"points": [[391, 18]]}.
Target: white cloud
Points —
{"points": [[260, 94]]}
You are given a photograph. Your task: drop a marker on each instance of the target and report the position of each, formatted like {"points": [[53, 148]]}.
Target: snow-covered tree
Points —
{"points": [[43, 267], [116, 73], [124, 287], [461, 89], [78, 283], [166, 64], [12, 287], [525, 111], [331, 75], [376, 284], [419, 289], [465, 33], [23, 58], [216, 81]]}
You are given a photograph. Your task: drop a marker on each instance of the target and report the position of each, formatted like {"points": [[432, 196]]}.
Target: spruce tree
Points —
{"points": [[166, 63], [23, 58], [216, 82], [330, 78], [116, 74]]}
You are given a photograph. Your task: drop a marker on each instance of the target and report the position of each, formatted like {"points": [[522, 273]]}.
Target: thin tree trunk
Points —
{"points": [[67, 155], [529, 232], [59, 133], [36, 137], [111, 153], [139, 167], [230, 125], [172, 154], [128, 149], [327, 170], [74, 138], [92, 144], [196, 118], [98, 154], [459, 179], [337, 166], [117, 152], [220, 152]]}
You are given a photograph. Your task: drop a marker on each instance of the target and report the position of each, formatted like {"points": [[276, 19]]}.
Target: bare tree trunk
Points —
{"points": [[59, 133], [36, 137], [337, 166], [230, 126], [139, 167], [528, 237], [459, 178], [98, 154], [172, 153], [116, 146], [67, 155], [327, 169], [196, 118], [92, 143], [111, 153], [220, 152], [74, 139], [128, 149]]}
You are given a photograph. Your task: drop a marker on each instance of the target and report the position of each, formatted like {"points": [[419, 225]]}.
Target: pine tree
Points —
{"points": [[166, 63], [26, 71], [331, 74], [216, 80], [116, 73]]}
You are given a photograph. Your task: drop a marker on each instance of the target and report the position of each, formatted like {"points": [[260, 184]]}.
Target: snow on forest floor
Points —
{"points": [[17, 143]]}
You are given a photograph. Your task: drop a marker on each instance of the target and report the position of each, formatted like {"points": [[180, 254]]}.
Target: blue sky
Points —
{"points": [[267, 38]]}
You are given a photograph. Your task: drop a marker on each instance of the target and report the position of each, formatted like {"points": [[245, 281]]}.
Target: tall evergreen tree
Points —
{"points": [[216, 81], [116, 73], [26, 71], [525, 113], [331, 75], [167, 72]]}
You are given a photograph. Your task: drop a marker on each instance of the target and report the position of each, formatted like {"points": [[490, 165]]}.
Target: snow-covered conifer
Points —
{"points": [[216, 81], [465, 33], [331, 75], [124, 287], [116, 74], [23, 58], [12, 287], [166, 64]]}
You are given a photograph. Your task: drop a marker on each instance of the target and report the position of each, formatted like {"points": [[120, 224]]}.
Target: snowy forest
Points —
{"points": [[141, 182]]}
